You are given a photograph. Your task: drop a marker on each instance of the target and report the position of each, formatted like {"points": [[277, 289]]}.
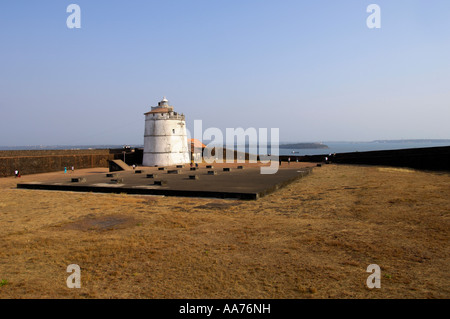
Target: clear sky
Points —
{"points": [[313, 69]]}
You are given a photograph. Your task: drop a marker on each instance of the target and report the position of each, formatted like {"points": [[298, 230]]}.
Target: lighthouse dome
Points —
{"points": [[164, 103]]}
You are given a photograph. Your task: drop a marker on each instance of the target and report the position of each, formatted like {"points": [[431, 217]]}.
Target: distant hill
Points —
{"points": [[303, 146]]}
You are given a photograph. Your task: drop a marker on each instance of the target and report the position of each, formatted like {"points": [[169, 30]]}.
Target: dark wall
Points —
{"points": [[430, 158], [34, 162], [132, 156]]}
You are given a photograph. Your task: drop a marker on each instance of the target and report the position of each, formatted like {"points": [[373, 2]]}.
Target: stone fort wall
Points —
{"points": [[429, 158], [43, 161]]}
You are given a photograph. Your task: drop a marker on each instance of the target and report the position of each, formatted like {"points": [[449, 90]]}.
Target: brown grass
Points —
{"points": [[312, 239]]}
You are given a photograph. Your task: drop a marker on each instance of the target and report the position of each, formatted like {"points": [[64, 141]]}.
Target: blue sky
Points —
{"points": [[313, 69]]}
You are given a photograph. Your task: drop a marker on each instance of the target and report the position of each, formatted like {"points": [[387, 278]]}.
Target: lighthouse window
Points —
{"points": [[173, 131]]}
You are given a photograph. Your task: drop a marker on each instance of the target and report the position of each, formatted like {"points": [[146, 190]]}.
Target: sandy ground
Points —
{"points": [[311, 239]]}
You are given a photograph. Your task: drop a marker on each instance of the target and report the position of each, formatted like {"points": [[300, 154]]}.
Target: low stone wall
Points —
{"points": [[34, 162], [21, 153]]}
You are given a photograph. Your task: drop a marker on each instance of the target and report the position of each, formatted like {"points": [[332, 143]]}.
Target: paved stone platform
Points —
{"points": [[239, 181]]}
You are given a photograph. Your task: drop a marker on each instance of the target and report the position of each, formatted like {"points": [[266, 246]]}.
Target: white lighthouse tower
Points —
{"points": [[165, 139]]}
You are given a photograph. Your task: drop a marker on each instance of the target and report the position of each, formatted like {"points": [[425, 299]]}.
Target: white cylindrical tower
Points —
{"points": [[165, 139]]}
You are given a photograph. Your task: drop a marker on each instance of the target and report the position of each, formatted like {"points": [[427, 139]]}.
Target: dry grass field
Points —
{"points": [[311, 239]]}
